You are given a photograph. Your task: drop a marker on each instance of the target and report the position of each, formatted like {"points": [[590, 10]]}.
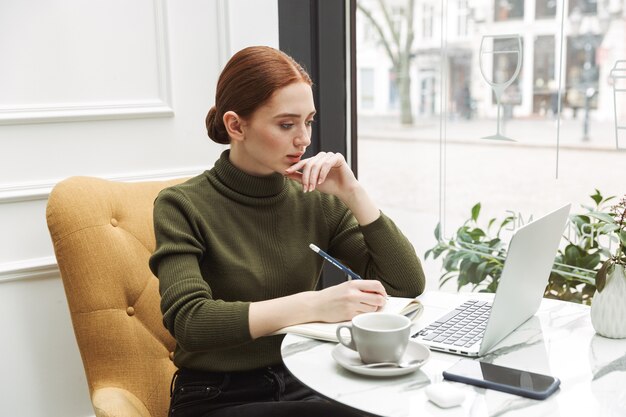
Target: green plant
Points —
{"points": [[614, 223], [471, 255], [573, 277], [475, 256]]}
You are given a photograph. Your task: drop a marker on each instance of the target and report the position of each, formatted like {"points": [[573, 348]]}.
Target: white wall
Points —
{"points": [[114, 89]]}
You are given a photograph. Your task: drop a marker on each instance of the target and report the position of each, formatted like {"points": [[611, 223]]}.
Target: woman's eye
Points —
{"points": [[309, 123], [286, 125]]}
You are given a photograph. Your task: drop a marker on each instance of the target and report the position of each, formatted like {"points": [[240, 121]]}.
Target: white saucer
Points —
{"points": [[350, 360]]}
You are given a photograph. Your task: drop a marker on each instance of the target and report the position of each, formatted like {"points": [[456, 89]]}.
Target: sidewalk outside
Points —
{"points": [[526, 132]]}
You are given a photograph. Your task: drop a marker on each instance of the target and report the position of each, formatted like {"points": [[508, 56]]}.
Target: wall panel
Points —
{"points": [[113, 89]]}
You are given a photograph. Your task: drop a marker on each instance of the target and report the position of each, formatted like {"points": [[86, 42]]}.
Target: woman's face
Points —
{"points": [[277, 133]]}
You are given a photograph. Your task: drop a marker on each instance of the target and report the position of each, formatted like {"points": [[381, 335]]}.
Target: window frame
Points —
{"points": [[321, 36]]}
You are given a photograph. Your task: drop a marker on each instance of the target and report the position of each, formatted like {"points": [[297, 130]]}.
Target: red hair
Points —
{"points": [[248, 80]]}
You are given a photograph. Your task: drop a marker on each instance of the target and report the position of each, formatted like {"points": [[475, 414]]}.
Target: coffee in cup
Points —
{"points": [[377, 337]]}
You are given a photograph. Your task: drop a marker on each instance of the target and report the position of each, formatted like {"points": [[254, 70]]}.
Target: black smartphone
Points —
{"points": [[501, 378]]}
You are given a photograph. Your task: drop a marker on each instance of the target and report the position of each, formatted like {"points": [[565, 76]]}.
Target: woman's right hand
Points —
{"points": [[333, 304], [344, 301]]}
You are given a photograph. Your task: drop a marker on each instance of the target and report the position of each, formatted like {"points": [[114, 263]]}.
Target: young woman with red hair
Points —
{"points": [[233, 258]]}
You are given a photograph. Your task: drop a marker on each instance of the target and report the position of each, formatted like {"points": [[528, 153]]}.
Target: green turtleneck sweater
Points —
{"points": [[225, 239]]}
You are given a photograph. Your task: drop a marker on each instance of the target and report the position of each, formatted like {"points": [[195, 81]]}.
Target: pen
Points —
{"points": [[335, 262]]}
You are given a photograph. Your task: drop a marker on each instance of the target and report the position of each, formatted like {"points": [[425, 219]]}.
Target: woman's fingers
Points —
{"points": [[314, 171], [332, 161], [344, 301], [369, 286], [366, 295], [311, 170]]}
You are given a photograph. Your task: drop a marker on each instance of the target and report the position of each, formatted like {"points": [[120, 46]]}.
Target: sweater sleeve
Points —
{"points": [[392, 258], [379, 251], [196, 320]]}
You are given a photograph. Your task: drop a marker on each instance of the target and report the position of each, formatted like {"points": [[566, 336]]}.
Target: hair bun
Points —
{"points": [[215, 128]]}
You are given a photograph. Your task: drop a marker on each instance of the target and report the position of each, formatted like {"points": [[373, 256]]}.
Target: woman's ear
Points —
{"points": [[233, 124]]}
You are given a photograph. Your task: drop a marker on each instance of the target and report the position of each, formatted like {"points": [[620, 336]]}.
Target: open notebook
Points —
{"points": [[409, 307]]}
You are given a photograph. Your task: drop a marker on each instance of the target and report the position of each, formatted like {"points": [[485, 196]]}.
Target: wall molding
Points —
{"points": [[82, 112], [72, 112], [34, 268], [34, 191], [223, 32]]}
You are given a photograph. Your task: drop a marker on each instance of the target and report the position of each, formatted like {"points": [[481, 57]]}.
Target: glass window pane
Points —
{"points": [[545, 90], [437, 149], [367, 88], [583, 6], [508, 10], [545, 8]]}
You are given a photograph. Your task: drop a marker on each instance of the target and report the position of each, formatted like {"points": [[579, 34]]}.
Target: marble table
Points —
{"points": [[559, 340]]}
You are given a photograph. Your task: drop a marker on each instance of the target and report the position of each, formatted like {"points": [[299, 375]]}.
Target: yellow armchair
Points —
{"points": [[103, 236]]}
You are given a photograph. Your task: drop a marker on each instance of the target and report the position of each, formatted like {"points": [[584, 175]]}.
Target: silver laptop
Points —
{"points": [[474, 327]]}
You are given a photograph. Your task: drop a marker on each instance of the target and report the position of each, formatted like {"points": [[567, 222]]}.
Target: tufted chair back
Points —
{"points": [[103, 235]]}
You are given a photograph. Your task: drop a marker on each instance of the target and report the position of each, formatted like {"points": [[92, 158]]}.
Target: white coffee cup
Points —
{"points": [[377, 337]]}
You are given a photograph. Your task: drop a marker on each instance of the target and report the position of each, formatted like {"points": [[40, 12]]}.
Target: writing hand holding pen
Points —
{"points": [[335, 262], [340, 266]]}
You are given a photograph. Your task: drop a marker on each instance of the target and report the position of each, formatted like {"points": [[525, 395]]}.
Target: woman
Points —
{"points": [[232, 253]]}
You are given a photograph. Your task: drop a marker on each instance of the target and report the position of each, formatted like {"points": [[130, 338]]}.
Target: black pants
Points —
{"points": [[270, 391]]}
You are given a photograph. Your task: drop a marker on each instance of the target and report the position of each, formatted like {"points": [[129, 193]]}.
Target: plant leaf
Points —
{"points": [[438, 232], [475, 211], [601, 275], [476, 234], [572, 253], [506, 221], [590, 261], [597, 197], [603, 217], [608, 228], [464, 236]]}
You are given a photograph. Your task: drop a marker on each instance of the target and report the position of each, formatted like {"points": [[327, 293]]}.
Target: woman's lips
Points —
{"points": [[294, 158]]}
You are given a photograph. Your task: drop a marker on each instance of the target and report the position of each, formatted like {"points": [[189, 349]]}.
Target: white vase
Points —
{"points": [[608, 308]]}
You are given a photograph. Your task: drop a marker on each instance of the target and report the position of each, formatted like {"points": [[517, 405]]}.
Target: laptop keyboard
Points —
{"points": [[462, 327]]}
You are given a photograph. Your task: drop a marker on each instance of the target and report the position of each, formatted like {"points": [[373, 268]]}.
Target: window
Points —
{"points": [[545, 9], [366, 84], [508, 10], [462, 18], [427, 20], [558, 110], [393, 90], [507, 60], [582, 71], [545, 92], [583, 6]]}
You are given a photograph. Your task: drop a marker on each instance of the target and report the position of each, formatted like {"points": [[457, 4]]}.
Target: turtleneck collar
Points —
{"points": [[247, 185]]}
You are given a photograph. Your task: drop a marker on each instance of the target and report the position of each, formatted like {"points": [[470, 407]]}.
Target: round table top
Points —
{"points": [[559, 340]]}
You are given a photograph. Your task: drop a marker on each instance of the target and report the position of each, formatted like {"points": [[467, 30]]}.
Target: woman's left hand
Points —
{"points": [[327, 171]]}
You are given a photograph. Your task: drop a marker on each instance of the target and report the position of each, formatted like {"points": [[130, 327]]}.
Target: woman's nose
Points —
{"points": [[303, 138]]}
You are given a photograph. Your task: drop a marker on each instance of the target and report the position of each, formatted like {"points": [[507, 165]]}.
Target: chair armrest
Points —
{"points": [[117, 402]]}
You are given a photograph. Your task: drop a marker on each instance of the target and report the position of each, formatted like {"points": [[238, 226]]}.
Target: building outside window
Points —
{"points": [[545, 90], [427, 20], [462, 18], [394, 99], [545, 9], [508, 10], [584, 6]]}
